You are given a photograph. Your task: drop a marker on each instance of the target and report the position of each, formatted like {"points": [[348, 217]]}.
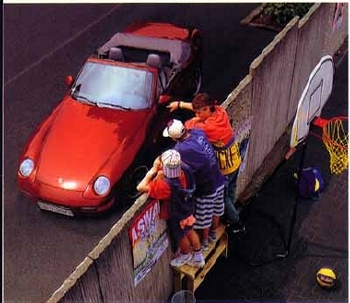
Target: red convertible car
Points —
{"points": [[81, 156]]}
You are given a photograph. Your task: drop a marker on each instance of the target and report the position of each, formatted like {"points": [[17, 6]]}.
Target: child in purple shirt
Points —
{"points": [[197, 152]]}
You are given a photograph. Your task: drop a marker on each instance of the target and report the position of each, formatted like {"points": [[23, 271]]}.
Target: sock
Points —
{"points": [[197, 254]]}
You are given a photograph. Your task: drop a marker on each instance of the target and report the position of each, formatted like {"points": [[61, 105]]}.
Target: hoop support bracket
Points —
{"points": [[320, 122]]}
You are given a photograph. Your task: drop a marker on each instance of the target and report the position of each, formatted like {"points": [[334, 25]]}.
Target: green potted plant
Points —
{"points": [[282, 13]]}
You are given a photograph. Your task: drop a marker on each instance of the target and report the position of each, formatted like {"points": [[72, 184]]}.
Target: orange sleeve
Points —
{"points": [[217, 127], [159, 189]]}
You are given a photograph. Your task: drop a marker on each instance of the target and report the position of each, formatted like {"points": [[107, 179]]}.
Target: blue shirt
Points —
{"points": [[197, 152]]}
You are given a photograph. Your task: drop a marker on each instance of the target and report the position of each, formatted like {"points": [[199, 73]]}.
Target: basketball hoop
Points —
{"points": [[335, 138]]}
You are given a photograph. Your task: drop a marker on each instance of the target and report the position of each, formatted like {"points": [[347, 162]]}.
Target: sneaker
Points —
{"points": [[197, 260], [212, 236], [237, 227], [205, 245], [181, 259]]}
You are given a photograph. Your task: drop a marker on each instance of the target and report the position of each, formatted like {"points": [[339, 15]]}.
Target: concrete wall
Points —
{"points": [[334, 37], [272, 78], [261, 108], [106, 274], [309, 52], [238, 107]]}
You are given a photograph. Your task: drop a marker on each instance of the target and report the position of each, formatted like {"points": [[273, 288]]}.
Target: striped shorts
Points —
{"points": [[208, 206]]}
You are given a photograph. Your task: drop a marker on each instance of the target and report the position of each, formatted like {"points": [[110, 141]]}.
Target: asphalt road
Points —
{"points": [[43, 44]]}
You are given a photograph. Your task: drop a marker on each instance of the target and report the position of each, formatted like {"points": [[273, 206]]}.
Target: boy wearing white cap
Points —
{"points": [[197, 152], [175, 183]]}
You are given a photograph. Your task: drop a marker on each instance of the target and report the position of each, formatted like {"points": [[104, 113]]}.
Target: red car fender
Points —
{"points": [[34, 144], [110, 168]]}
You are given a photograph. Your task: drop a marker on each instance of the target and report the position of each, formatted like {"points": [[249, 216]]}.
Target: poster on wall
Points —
{"points": [[338, 15], [242, 135], [149, 239]]}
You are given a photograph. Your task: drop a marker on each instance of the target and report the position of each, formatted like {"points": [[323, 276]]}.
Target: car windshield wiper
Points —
{"points": [[112, 105], [76, 96], [85, 100]]}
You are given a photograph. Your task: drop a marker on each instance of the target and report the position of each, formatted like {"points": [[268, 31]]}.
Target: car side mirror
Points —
{"points": [[69, 80], [163, 99]]}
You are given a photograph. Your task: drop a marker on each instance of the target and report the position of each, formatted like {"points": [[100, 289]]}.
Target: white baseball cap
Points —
{"points": [[171, 161], [175, 129]]}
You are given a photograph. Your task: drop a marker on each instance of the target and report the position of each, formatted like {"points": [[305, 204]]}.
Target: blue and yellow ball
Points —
{"points": [[326, 277]]}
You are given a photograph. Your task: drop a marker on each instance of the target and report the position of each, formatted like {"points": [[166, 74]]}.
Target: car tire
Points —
{"points": [[136, 177]]}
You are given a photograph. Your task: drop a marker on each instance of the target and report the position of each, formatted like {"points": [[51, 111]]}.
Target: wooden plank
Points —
{"points": [[178, 281], [192, 271], [195, 276], [190, 284]]}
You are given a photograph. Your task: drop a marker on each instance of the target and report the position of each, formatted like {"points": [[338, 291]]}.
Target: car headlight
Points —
{"points": [[26, 167], [102, 185]]}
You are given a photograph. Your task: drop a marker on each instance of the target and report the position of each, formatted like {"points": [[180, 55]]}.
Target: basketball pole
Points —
{"points": [[287, 242]]}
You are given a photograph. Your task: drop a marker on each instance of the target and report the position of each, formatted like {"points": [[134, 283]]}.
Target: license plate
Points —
{"points": [[56, 209]]}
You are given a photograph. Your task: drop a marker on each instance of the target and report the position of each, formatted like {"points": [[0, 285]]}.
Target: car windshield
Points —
{"points": [[113, 86]]}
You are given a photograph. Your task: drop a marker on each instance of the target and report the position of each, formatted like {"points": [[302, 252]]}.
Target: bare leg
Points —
{"points": [[215, 224], [205, 234], [185, 245], [194, 239]]}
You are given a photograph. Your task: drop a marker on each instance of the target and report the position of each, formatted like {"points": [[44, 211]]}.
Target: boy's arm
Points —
{"points": [[143, 186], [180, 105], [157, 164]]}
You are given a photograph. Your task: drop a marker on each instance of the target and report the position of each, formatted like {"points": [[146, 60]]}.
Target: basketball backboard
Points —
{"points": [[314, 97]]}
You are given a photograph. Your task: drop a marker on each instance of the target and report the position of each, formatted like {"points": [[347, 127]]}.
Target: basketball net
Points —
{"points": [[335, 138]]}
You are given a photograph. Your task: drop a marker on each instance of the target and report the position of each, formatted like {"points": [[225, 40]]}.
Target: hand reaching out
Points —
{"points": [[173, 105]]}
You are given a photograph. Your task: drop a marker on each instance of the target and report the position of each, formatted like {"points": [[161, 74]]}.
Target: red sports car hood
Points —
{"points": [[83, 139]]}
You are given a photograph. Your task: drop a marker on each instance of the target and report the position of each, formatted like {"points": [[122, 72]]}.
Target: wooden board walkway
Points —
{"points": [[187, 277]]}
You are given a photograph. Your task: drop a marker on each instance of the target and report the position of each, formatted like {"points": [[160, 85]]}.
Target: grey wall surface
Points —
{"points": [[272, 74]]}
